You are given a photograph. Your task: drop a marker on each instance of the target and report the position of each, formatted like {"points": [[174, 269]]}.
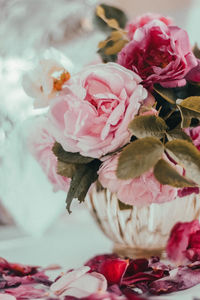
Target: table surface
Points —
{"points": [[70, 242]]}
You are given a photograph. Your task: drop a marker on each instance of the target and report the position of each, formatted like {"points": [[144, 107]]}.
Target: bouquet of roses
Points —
{"points": [[130, 122]]}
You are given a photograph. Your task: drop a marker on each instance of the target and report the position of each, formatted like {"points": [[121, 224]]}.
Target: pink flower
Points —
{"points": [[194, 133], [40, 144], [143, 20], [79, 283], [159, 54], [140, 191], [148, 106], [194, 74], [184, 242], [93, 119]]}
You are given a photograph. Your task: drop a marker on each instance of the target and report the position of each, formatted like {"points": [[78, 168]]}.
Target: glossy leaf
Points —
{"points": [[138, 157], [167, 174], [69, 157], [187, 155], [149, 125]]}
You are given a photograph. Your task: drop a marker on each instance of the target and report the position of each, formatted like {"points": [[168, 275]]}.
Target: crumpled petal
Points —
{"points": [[179, 279]]}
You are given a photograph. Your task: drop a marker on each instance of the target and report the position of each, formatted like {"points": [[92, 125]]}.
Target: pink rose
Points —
{"points": [[159, 54], [194, 133], [40, 144], [140, 191], [194, 74], [143, 20], [93, 119], [184, 242]]}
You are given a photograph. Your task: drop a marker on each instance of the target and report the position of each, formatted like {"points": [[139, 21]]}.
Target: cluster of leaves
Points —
{"points": [[81, 169], [114, 20], [154, 136]]}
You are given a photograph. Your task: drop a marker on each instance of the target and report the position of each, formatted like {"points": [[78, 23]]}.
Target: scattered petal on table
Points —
{"points": [[27, 292]]}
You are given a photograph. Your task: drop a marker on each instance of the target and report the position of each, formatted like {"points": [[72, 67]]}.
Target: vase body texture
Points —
{"points": [[139, 231]]}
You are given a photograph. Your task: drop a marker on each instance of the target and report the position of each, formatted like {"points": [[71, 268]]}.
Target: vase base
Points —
{"points": [[134, 253]]}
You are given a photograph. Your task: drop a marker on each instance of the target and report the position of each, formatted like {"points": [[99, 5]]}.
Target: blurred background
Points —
{"points": [[32, 216]]}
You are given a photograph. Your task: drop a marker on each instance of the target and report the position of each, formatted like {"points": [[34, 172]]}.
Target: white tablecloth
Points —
{"points": [[70, 242]]}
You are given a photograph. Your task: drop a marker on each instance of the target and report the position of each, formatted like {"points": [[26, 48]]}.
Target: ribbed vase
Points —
{"points": [[140, 231]]}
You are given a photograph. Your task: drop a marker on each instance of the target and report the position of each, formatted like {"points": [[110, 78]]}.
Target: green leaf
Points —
{"points": [[149, 125], [191, 103], [105, 13], [167, 174], [69, 157], [186, 117], [138, 157], [166, 93], [107, 58], [84, 176], [196, 51], [65, 169], [187, 155], [112, 45], [189, 108], [115, 48], [178, 134]]}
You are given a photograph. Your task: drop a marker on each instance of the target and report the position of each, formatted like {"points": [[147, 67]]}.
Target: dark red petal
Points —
{"points": [[139, 277], [137, 265]]}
